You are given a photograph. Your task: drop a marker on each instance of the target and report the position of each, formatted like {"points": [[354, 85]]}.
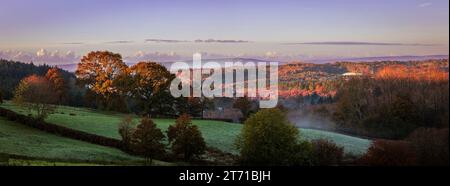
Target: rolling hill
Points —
{"points": [[217, 134], [23, 141]]}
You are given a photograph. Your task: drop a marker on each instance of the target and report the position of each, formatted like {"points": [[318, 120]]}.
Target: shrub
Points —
{"points": [[302, 154], [267, 138], [126, 130], [326, 153], [185, 138], [147, 139], [431, 146], [389, 153]]}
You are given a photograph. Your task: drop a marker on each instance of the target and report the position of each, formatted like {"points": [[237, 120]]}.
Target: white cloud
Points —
{"points": [[271, 54], [41, 56], [41, 52]]}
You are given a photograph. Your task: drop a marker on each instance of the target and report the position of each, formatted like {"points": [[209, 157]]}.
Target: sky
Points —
{"points": [[61, 31]]}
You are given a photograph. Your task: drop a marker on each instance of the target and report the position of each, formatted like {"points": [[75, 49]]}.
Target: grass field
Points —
{"points": [[352, 145], [23, 162], [216, 133], [16, 139]]}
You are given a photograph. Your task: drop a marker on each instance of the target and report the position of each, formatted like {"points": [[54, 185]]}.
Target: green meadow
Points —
{"points": [[20, 140], [216, 133]]}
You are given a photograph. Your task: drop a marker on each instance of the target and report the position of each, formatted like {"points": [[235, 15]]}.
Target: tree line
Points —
{"points": [[102, 81], [142, 88], [395, 102], [12, 72]]}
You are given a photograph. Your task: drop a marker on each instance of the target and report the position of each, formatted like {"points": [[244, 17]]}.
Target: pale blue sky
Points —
{"points": [[83, 25]]}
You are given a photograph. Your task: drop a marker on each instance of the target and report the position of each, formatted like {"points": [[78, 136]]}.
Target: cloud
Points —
{"points": [[426, 4], [359, 43], [42, 52], [271, 54], [41, 56], [119, 42], [73, 43], [165, 41], [196, 41], [220, 41]]}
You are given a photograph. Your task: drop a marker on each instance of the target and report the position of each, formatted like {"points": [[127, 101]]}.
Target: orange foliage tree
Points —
{"points": [[36, 93], [147, 139], [99, 72], [58, 83], [150, 83], [185, 138]]}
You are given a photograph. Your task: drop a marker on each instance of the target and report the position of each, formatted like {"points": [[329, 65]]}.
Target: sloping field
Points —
{"points": [[352, 145], [16, 139], [216, 133]]}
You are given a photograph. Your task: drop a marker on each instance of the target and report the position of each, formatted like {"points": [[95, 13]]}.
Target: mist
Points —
{"points": [[305, 119]]}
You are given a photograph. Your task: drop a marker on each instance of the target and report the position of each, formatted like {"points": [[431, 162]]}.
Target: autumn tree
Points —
{"points": [[394, 102], [126, 130], [99, 71], [58, 83], [150, 82], [352, 102], [36, 93], [185, 138], [244, 105], [147, 139]]}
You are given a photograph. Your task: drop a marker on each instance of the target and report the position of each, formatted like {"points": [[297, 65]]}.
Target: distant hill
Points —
{"points": [[302, 77], [73, 67], [68, 67], [221, 61], [380, 58]]}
